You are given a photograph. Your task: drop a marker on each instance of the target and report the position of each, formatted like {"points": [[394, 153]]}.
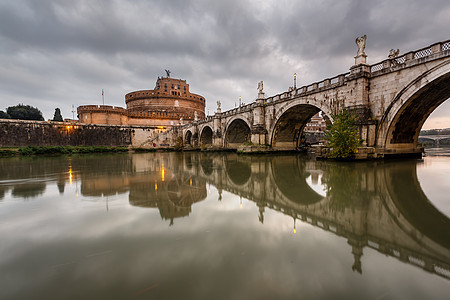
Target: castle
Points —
{"points": [[169, 104]]}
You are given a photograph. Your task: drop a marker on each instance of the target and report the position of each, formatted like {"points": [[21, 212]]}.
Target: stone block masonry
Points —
{"points": [[20, 133]]}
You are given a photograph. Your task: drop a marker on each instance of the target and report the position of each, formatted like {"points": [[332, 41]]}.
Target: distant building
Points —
{"points": [[316, 124], [163, 107]]}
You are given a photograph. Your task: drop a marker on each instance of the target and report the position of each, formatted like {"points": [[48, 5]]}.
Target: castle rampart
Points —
{"points": [[166, 105]]}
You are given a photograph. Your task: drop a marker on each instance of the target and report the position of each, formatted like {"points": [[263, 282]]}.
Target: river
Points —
{"points": [[223, 226]]}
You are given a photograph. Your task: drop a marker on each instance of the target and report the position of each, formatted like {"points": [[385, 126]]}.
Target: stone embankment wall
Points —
{"points": [[19, 133]]}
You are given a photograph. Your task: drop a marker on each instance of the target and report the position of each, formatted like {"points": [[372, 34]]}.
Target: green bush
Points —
{"points": [[51, 150], [7, 152], [342, 136]]}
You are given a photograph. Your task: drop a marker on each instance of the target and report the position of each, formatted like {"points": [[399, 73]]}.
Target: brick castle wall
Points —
{"points": [[18, 133]]}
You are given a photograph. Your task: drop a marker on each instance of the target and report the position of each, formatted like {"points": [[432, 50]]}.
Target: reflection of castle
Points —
{"points": [[164, 106], [173, 197], [151, 182]]}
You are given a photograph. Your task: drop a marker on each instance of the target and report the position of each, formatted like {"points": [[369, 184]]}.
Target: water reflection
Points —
{"points": [[376, 205]]}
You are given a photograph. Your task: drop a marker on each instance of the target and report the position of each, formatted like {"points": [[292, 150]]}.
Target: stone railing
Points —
{"points": [[310, 89], [406, 59]]}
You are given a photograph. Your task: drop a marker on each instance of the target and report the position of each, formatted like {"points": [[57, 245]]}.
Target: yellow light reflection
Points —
{"points": [[156, 186], [190, 182], [70, 175], [162, 173]]}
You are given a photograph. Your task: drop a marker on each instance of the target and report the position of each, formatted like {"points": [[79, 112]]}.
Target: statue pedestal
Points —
{"points": [[360, 59]]}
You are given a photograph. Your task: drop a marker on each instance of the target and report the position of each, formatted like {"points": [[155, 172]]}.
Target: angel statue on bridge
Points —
{"points": [[260, 86], [361, 42]]}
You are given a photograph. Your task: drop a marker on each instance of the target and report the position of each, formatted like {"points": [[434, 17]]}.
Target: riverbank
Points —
{"points": [[55, 150]]}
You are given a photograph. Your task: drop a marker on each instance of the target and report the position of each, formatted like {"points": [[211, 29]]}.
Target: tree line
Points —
{"points": [[27, 112]]}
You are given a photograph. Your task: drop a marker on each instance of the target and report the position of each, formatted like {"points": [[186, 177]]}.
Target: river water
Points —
{"points": [[222, 226]]}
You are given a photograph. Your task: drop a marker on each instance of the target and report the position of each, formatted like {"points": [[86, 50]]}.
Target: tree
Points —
{"points": [[57, 116], [24, 112], [342, 135], [4, 115]]}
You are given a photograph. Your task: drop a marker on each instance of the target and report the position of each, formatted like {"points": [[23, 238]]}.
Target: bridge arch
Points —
{"points": [[237, 132], [188, 137], [289, 123], [401, 123], [206, 135]]}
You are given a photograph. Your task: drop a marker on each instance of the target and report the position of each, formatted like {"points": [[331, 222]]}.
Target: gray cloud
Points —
{"points": [[59, 53]]}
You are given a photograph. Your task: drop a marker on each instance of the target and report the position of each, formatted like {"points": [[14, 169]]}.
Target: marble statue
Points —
{"points": [[361, 42], [393, 53], [260, 86]]}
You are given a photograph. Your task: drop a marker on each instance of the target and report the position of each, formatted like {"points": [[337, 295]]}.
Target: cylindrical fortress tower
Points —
{"points": [[164, 106], [171, 96]]}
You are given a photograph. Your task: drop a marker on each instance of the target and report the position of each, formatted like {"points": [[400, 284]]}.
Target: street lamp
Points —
{"points": [[295, 81]]}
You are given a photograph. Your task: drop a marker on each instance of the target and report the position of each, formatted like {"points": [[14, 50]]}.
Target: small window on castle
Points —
{"points": [[172, 85], [184, 88], [165, 85], [178, 86]]}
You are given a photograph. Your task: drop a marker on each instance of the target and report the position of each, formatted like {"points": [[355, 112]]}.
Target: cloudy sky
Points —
{"points": [[63, 53]]}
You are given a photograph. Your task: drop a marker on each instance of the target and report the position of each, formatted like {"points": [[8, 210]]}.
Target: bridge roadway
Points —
{"points": [[392, 99]]}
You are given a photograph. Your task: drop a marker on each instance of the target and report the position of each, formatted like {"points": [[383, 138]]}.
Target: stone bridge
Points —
{"points": [[392, 99], [436, 139]]}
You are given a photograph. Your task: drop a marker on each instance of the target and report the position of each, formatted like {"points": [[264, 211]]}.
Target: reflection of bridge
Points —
{"points": [[392, 99], [376, 205], [367, 205]]}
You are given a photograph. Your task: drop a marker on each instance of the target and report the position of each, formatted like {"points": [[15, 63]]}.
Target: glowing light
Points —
{"points": [[162, 173], [69, 128], [295, 230], [156, 186], [190, 182], [70, 175]]}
